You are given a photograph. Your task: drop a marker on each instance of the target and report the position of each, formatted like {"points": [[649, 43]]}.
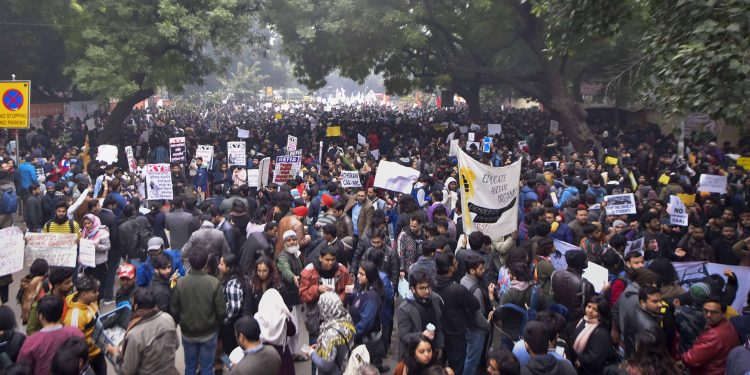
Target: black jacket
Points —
{"points": [[569, 292], [256, 245], [636, 321], [547, 365], [162, 293], [129, 235], [34, 215], [458, 305], [597, 352]]}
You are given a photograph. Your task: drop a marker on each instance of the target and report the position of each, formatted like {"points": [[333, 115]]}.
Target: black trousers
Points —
{"points": [[455, 352]]}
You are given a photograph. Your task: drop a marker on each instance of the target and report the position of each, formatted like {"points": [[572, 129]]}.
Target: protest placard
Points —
{"points": [[486, 144], [664, 179], [620, 204], [687, 199], [291, 143], [11, 250], [252, 177], [57, 249], [91, 124], [350, 179], [395, 177], [635, 245], [177, 150], [596, 275], [472, 145], [713, 183], [744, 162], [158, 182], [107, 153], [286, 168], [361, 139], [494, 129], [333, 131], [554, 164], [278, 116], [463, 129], [689, 273], [677, 212], [87, 252], [554, 126], [236, 153], [205, 152], [131, 158], [243, 133], [264, 168], [453, 150], [611, 160]]}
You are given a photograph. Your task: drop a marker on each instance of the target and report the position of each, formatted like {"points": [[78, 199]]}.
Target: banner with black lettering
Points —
{"points": [[489, 196]]}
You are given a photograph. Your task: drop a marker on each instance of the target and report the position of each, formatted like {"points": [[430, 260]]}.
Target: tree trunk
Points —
{"points": [[113, 127], [572, 118], [446, 98], [470, 93]]}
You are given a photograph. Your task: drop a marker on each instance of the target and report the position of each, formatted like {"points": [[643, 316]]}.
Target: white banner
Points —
{"points": [[243, 133], [158, 182], [236, 153], [131, 158], [395, 177], [252, 177], [291, 143], [494, 129], [286, 168], [689, 273], [713, 183], [11, 250], [361, 139], [264, 168], [205, 152], [620, 204], [57, 249], [87, 252], [350, 179], [677, 212], [489, 196], [177, 150], [107, 153]]}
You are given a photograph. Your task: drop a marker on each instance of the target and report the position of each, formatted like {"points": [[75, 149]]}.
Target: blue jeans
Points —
{"points": [[199, 353], [474, 346]]}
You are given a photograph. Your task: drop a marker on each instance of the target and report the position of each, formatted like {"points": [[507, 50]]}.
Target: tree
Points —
{"points": [[244, 82], [127, 49]]}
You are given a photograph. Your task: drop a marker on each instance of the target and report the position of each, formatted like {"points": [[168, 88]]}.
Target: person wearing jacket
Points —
{"points": [[27, 170], [628, 300], [645, 317], [10, 336], [693, 247], [178, 223], [257, 245], [161, 283], [222, 224], [479, 326], [391, 263], [82, 313], [450, 197], [527, 194], [292, 220], [708, 356], [420, 313], [209, 240], [198, 306], [129, 234], [94, 231], [541, 362], [592, 342], [146, 270], [151, 341], [336, 335], [33, 214], [570, 289], [360, 210], [365, 307], [519, 294], [570, 191], [456, 302]]}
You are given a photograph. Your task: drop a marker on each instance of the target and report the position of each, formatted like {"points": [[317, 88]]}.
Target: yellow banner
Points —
{"points": [[663, 179], [610, 160], [687, 199], [333, 131], [278, 116], [744, 162]]}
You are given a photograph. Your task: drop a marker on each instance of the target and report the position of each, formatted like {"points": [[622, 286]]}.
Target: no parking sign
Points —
{"points": [[15, 105]]}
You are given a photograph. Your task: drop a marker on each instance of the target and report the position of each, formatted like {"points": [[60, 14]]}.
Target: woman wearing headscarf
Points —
{"points": [[93, 230], [276, 326], [335, 338]]}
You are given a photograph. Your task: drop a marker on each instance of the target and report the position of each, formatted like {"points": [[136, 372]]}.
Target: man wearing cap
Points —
{"points": [[124, 295], [146, 270], [293, 222]]}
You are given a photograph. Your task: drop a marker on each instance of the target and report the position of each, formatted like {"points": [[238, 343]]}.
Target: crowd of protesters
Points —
{"points": [[373, 275]]}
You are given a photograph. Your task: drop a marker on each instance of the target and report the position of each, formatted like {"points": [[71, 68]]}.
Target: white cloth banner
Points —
{"points": [[395, 177], [489, 196], [350, 179], [205, 152], [689, 273], [11, 250], [87, 252], [236, 153], [677, 212], [713, 183], [107, 153], [620, 204], [57, 249], [158, 182]]}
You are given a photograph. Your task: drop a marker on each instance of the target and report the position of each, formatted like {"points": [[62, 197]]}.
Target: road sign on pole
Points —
{"points": [[15, 106]]}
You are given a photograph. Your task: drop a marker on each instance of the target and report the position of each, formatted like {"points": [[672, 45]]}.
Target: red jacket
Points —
{"points": [[310, 280], [708, 356]]}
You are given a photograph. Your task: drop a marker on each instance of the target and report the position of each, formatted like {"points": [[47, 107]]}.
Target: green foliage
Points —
{"points": [[245, 82]]}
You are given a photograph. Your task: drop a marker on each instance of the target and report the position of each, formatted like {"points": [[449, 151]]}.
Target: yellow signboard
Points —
{"points": [[687, 199], [744, 162], [278, 116], [663, 179], [333, 131], [610, 160], [15, 106]]}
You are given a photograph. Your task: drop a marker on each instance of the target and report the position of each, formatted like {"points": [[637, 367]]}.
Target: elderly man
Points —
{"points": [[289, 265], [292, 221]]}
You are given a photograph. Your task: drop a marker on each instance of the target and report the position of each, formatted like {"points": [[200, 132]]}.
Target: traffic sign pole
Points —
{"points": [[18, 155]]}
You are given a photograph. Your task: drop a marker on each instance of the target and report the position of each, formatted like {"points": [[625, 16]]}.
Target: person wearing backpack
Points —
{"points": [[525, 298], [571, 290], [479, 326], [133, 235], [60, 223], [458, 307]]}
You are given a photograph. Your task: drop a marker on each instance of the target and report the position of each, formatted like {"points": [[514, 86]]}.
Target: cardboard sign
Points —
{"points": [[11, 250], [494, 129], [713, 183], [131, 158], [333, 131], [744, 162], [620, 204], [611, 160], [243, 133], [206, 153], [678, 214], [87, 252], [554, 126], [664, 179], [253, 176], [278, 116], [486, 144], [361, 139], [286, 168], [107, 153], [177, 150], [687, 199], [236, 153], [350, 179], [158, 182], [57, 249], [291, 143]]}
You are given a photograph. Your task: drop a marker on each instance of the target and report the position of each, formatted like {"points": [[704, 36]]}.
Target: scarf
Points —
{"points": [[337, 327], [583, 338], [96, 224], [520, 285], [272, 316], [136, 318]]}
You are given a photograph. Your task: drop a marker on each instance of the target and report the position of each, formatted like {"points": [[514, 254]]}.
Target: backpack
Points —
{"points": [[144, 234], [359, 356], [529, 313], [9, 202]]}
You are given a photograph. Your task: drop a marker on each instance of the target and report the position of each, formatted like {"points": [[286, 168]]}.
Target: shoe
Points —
{"points": [[299, 358], [108, 301], [383, 368]]}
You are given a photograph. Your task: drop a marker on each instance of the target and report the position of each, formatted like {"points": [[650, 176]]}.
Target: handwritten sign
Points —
{"points": [[252, 177], [713, 183], [158, 182], [205, 152], [291, 143], [11, 250], [236, 153], [677, 212], [56, 248], [494, 129], [243, 133], [620, 204], [131, 158], [350, 179], [87, 253], [177, 150], [286, 168]]}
